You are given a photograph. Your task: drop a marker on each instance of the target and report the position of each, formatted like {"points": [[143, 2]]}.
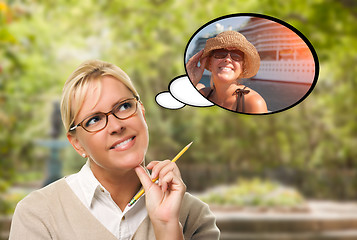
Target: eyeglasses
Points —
{"points": [[98, 121], [236, 55]]}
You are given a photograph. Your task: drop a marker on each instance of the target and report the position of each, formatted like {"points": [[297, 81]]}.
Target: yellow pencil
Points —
{"points": [[139, 194]]}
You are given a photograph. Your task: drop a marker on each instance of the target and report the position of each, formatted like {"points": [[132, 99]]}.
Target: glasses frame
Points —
{"points": [[135, 98], [230, 55]]}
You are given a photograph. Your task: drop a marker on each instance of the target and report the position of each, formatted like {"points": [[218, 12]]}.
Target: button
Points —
{"points": [[123, 218], [101, 189]]}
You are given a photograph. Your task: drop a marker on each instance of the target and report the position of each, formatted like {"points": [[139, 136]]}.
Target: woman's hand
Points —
{"points": [[194, 71], [163, 200]]}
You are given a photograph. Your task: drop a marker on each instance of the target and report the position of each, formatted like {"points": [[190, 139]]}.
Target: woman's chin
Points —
{"points": [[226, 79], [133, 162], [227, 76]]}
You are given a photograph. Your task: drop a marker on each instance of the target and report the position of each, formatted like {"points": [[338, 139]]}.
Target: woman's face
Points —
{"points": [[225, 69], [122, 144]]}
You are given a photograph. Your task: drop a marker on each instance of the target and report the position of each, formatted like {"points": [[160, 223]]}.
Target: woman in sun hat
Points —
{"points": [[229, 57]]}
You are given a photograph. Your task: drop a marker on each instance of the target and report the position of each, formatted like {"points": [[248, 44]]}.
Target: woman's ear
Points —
{"points": [[76, 144]]}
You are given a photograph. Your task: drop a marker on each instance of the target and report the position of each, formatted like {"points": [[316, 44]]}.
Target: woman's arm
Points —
{"points": [[194, 71], [163, 200], [200, 222]]}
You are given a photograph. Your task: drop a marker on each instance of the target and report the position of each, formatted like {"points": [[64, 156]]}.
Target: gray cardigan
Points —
{"points": [[55, 212]]}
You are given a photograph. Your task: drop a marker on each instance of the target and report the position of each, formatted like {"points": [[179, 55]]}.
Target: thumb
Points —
{"points": [[143, 177]]}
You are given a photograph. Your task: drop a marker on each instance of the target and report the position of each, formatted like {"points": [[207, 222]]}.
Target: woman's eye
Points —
{"points": [[125, 106], [93, 120]]}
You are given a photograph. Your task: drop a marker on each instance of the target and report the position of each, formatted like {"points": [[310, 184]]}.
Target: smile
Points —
{"points": [[226, 69], [123, 144]]}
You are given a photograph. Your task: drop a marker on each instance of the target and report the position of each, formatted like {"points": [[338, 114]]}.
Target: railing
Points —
{"points": [[297, 71]]}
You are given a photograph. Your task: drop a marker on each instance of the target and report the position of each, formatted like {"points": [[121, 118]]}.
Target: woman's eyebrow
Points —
{"points": [[113, 105], [120, 100], [91, 114]]}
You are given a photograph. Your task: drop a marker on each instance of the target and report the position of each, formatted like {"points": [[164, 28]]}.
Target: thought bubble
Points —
{"points": [[181, 92], [286, 67], [166, 100]]}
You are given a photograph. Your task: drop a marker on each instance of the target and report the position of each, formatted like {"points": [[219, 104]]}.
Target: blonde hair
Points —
{"points": [[79, 82]]}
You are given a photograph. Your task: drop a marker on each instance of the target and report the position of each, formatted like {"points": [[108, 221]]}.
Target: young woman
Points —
{"points": [[105, 123], [229, 57]]}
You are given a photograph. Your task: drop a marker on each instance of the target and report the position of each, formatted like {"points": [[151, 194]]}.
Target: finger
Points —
{"points": [[152, 164], [143, 177], [203, 63], [172, 167], [199, 54], [157, 168], [165, 181], [191, 64], [193, 61], [171, 182]]}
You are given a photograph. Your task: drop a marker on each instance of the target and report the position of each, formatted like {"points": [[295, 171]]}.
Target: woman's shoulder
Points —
{"points": [[250, 94], [34, 210], [43, 195], [253, 94], [254, 102], [191, 199], [193, 206]]}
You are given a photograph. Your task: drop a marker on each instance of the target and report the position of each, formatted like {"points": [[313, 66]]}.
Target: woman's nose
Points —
{"points": [[115, 125], [228, 58]]}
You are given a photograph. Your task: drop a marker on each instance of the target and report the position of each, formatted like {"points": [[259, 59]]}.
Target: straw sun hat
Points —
{"points": [[233, 39]]}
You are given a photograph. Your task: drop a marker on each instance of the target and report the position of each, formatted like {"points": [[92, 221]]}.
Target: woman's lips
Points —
{"points": [[226, 69], [124, 144]]}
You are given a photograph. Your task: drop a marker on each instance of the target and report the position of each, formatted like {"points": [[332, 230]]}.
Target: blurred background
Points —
{"points": [[265, 177]]}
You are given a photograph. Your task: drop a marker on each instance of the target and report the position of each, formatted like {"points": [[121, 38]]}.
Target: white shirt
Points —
{"points": [[97, 199]]}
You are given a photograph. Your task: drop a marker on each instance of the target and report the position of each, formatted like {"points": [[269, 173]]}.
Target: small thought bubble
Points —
{"points": [[166, 100], [181, 92]]}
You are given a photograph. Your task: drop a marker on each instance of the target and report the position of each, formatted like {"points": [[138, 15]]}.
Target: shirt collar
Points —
{"points": [[89, 184]]}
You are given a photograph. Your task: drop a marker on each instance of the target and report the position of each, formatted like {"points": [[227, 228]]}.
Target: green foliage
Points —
{"points": [[255, 193]]}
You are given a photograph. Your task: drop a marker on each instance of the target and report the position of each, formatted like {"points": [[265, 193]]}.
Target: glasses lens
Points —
{"points": [[219, 54], [95, 122], [125, 109], [235, 55]]}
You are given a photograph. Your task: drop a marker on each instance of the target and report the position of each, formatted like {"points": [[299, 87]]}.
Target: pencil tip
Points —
{"points": [[189, 144]]}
